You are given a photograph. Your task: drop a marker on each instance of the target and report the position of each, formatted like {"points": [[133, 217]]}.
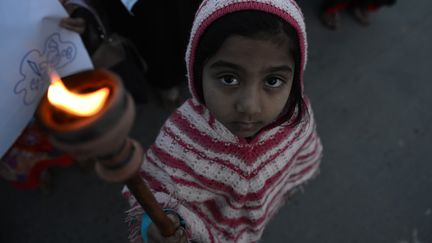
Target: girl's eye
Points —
{"points": [[274, 82], [229, 80]]}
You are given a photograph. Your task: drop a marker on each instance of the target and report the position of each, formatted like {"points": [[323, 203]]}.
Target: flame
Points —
{"points": [[76, 104]]}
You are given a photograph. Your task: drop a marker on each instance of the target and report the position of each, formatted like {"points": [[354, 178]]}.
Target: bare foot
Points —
{"points": [[361, 15], [331, 20]]}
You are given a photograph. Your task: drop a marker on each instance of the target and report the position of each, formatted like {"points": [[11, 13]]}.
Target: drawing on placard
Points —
{"points": [[35, 64]]}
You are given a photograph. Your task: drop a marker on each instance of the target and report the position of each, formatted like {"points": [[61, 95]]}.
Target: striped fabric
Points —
{"points": [[226, 188]]}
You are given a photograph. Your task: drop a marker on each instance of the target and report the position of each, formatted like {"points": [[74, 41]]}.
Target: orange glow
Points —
{"points": [[76, 104]]}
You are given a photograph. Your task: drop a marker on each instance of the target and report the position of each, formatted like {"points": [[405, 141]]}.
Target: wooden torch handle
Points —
{"points": [[148, 202]]}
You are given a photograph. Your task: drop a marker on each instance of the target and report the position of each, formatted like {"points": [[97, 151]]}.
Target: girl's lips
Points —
{"points": [[246, 125]]}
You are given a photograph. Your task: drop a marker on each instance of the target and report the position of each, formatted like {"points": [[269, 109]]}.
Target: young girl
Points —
{"points": [[227, 159]]}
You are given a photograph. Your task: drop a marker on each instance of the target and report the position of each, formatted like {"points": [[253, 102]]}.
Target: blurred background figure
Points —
{"points": [[26, 164], [358, 8], [158, 29], [86, 21], [161, 32], [106, 35]]}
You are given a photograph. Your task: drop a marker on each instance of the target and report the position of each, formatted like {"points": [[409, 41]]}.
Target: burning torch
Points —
{"points": [[89, 115]]}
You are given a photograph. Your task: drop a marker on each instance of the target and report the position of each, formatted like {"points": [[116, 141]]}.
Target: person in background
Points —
{"points": [[26, 165], [228, 158], [359, 8], [84, 20], [107, 43], [160, 31]]}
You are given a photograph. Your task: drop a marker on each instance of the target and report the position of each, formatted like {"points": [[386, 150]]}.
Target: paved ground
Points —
{"points": [[370, 89]]}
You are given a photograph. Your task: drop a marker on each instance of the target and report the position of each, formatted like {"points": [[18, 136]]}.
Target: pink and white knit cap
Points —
{"points": [[211, 10]]}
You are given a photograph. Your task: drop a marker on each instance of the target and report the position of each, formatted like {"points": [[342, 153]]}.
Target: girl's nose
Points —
{"points": [[249, 102]]}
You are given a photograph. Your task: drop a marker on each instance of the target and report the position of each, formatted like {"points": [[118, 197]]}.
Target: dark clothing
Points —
{"points": [[115, 16], [161, 33], [92, 34], [109, 22]]}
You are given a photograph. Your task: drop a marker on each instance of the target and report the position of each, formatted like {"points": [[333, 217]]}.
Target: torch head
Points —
{"points": [[96, 135]]}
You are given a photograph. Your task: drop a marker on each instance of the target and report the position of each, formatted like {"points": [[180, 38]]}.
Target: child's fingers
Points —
{"points": [[174, 219], [155, 237], [179, 236], [73, 24]]}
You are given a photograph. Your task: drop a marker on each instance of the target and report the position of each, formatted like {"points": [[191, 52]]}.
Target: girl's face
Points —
{"points": [[246, 84]]}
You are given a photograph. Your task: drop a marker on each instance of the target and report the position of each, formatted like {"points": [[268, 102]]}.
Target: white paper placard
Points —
{"points": [[31, 42]]}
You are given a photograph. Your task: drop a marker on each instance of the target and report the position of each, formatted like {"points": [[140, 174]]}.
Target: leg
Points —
{"points": [[330, 12], [361, 8]]}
